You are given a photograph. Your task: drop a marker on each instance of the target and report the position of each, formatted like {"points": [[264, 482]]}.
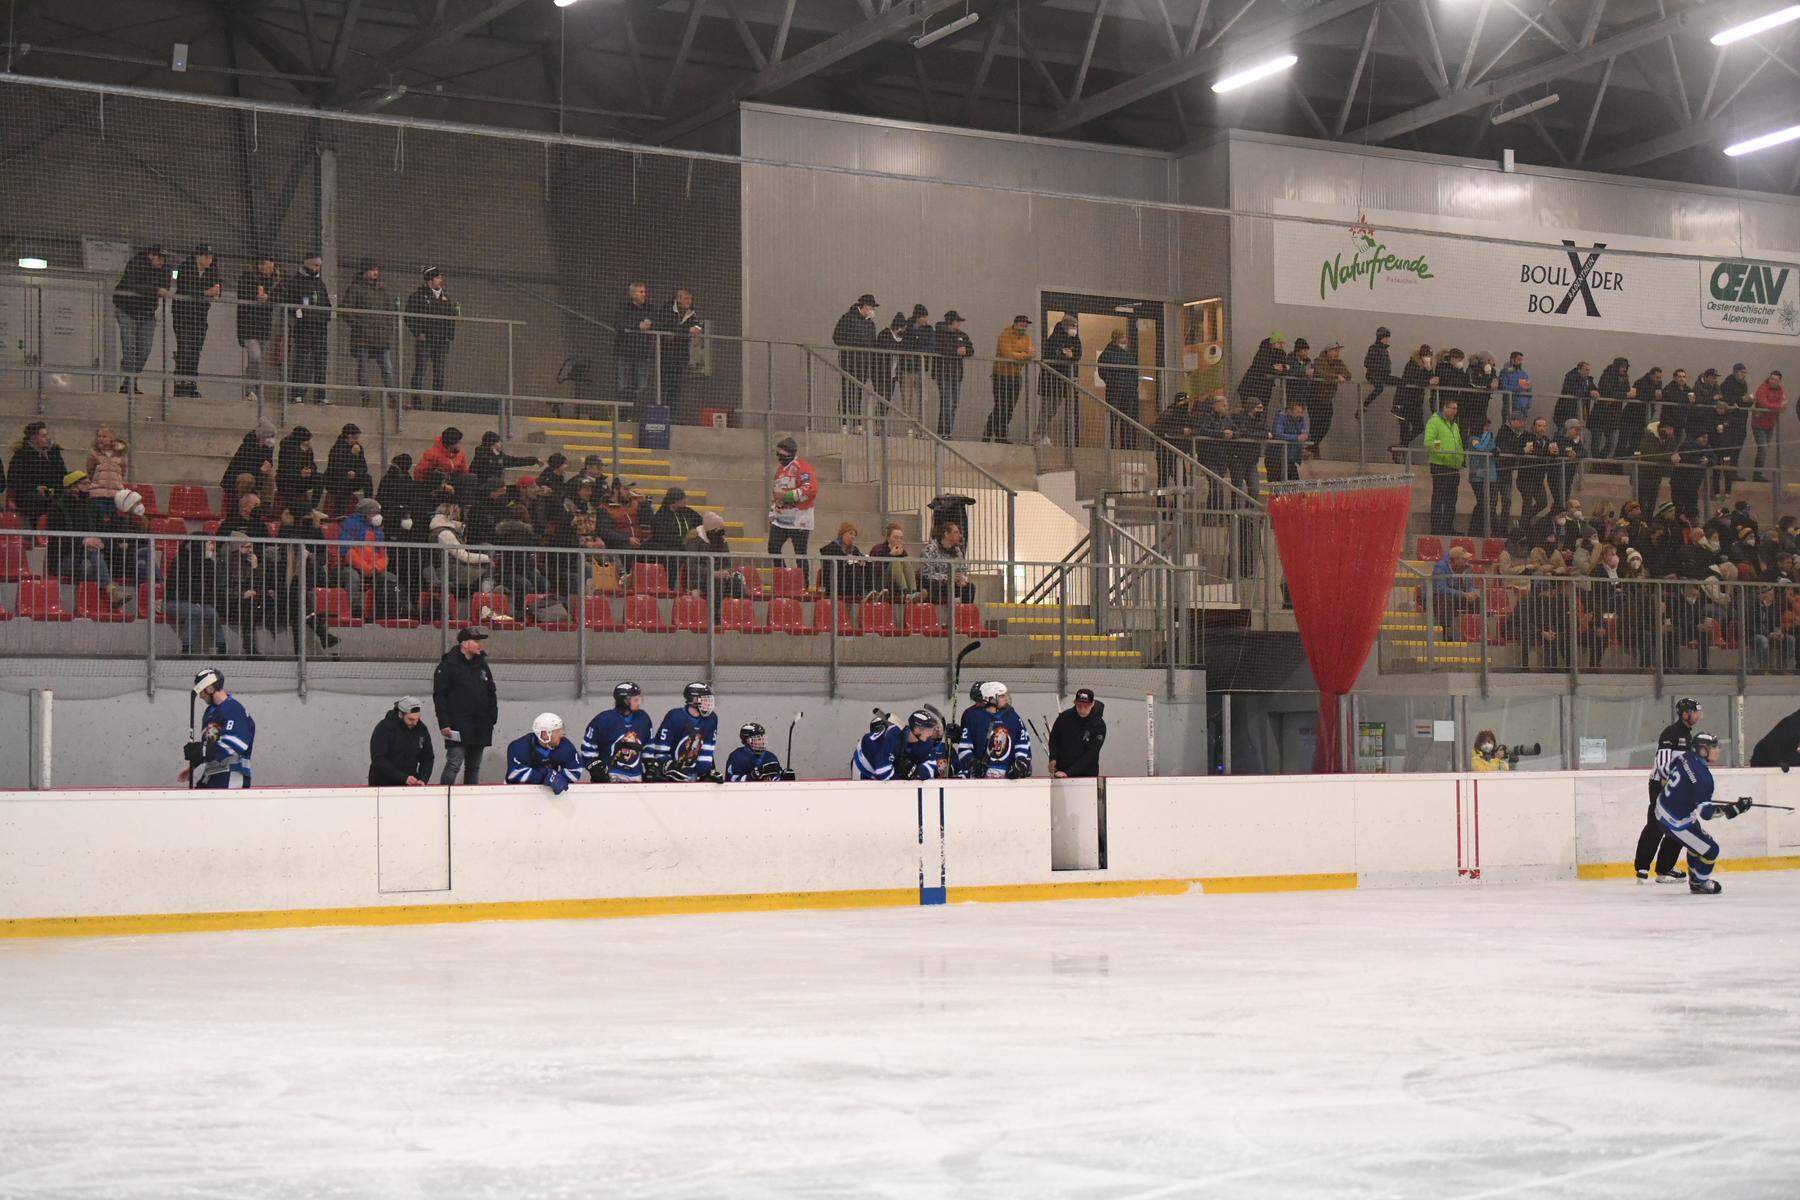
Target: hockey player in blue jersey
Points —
{"points": [[682, 751], [612, 750], [1686, 800], [889, 752], [994, 743], [220, 757], [544, 756], [752, 762]]}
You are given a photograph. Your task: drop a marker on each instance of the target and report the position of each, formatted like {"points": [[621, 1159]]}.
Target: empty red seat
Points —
{"points": [[1490, 550], [790, 581], [188, 501], [148, 492], [649, 579], [968, 623], [92, 604], [1471, 627], [599, 615], [9, 520], [641, 614], [534, 601], [877, 617], [739, 616], [333, 607], [785, 616], [922, 620], [390, 622], [688, 613], [1429, 548], [41, 600], [13, 564], [846, 617]]}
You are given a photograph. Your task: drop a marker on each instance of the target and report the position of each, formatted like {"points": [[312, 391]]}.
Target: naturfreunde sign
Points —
{"points": [[1755, 296], [1388, 263]]}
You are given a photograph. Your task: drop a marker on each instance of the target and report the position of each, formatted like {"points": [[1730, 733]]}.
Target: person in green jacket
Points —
{"points": [[1444, 451]]}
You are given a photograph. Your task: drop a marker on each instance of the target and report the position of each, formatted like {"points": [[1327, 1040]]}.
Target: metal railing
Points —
{"points": [[137, 595], [1489, 623]]}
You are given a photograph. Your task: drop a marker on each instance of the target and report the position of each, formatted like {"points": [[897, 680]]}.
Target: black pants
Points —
{"points": [[1444, 481], [779, 535], [434, 353], [1533, 499], [1655, 842], [1006, 398], [190, 339], [306, 364]]}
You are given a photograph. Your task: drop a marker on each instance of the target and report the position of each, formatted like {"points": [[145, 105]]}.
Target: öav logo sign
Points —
{"points": [[1749, 295], [1370, 259]]}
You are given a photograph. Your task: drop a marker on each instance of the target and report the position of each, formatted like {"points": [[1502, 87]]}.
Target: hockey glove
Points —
{"points": [[711, 776], [655, 771], [1018, 769], [195, 753], [787, 776], [599, 774], [1733, 811], [558, 782]]}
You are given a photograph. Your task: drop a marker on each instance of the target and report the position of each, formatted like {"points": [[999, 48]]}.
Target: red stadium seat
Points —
{"points": [[688, 613], [41, 600], [790, 581], [968, 623], [599, 615], [641, 614], [13, 564], [1490, 550], [1429, 548], [333, 604], [739, 616], [1466, 544], [91, 604], [649, 579], [922, 620], [384, 622], [498, 605], [1471, 628], [9, 520], [785, 617], [188, 501], [846, 617], [877, 617]]}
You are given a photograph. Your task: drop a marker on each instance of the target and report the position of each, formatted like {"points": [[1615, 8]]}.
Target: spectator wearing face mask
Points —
{"points": [[1487, 754], [364, 555], [793, 494], [255, 457]]}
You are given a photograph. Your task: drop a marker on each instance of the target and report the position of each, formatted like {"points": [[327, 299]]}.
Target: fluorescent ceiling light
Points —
{"points": [[33, 263], [1252, 74], [944, 31], [1765, 141], [1738, 33], [564, 3]]}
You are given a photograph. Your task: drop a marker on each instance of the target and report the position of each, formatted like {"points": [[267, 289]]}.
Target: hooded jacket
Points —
{"points": [[1075, 741], [464, 699], [1012, 350], [447, 531], [439, 457], [396, 752]]}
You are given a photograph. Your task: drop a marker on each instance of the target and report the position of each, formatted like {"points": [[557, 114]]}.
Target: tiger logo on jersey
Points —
{"points": [[687, 753], [999, 744], [627, 751]]}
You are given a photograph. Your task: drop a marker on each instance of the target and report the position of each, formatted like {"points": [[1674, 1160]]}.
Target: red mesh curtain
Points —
{"points": [[1338, 550]]}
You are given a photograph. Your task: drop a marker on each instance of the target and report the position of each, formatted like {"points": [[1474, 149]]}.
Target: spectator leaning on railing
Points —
{"points": [[633, 344], [953, 350], [1444, 453], [683, 328], [1488, 518], [1417, 379], [307, 306], [1771, 400], [197, 284], [1012, 350], [431, 324], [1290, 432], [1515, 384], [143, 285], [1378, 368], [854, 336], [257, 288], [1321, 396], [370, 317]]}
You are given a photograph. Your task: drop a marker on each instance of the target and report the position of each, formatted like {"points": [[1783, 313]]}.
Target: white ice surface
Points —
{"points": [[1587, 1040]]}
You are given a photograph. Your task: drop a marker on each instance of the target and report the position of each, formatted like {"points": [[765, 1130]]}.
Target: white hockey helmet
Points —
{"points": [[128, 502], [545, 725], [206, 680], [993, 692]]}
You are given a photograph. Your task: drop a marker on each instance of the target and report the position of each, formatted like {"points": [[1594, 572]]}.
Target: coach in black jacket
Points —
{"points": [[467, 706], [1076, 738], [400, 748]]}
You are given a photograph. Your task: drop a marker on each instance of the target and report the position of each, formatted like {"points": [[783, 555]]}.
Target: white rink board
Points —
{"points": [[95, 854]]}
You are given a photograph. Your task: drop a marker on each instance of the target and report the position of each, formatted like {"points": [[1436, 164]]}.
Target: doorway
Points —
{"points": [[1096, 317]]}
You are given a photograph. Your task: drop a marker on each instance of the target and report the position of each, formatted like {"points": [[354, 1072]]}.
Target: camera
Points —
{"points": [[1512, 754]]}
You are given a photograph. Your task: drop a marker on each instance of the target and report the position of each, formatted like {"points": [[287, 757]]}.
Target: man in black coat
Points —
{"points": [[1056, 384], [1780, 747], [466, 704], [400, 748], [1378, 367], [854, 336], [1076, 738], [953, 350], [36, 473], [307, 308], [682, 324], [431, 323], [633, 344], [256, 291], [143, 285], [197, 285]]}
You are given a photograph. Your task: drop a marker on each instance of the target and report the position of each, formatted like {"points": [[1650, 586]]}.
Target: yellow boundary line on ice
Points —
{"points": [[656, 906]]}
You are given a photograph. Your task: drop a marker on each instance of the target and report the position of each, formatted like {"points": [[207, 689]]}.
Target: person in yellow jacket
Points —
{"points": [[1012, 350], [1444, 451], [1487, 754]]}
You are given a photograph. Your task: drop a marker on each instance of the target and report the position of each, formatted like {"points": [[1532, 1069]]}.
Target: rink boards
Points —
{"points": [[119, 862]]}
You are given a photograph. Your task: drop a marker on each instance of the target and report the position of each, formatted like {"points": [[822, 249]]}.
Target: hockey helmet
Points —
{"points": [[975, 692], [752, 735], [879, 719], [922, 720], [545, 725], [622, 694], [698, 695], [1686, 705], [1702, 740], [207, 680], [993, 692]]}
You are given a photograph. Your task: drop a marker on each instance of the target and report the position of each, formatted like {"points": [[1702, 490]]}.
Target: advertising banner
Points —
{"points": [[1582, 279]]}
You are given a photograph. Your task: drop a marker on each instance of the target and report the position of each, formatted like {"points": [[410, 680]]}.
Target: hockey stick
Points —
{"points": [[956, 675], [193, 736], [1760, 804], [789, 760]]}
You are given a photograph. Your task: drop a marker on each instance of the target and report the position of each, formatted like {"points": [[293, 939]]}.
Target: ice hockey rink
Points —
{"points": [[1579, 1039]]}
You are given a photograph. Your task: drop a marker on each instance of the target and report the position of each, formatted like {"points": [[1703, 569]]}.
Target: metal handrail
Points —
{"points": [[1158, 442]]}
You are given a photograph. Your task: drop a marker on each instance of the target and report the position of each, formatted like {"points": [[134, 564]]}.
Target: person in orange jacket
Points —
{"points": [[446, 455], [1012, 350]]}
